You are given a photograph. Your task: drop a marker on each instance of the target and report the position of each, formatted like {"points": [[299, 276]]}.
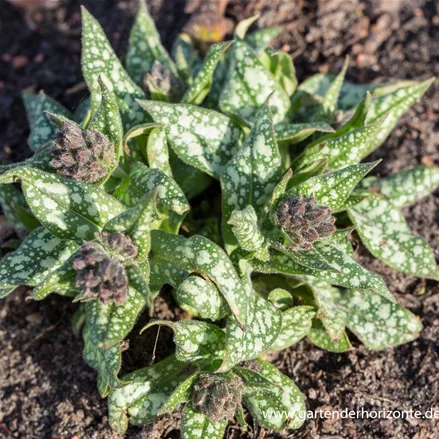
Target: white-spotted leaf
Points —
{"points": [[201, 297], [68, 209], [385, 232], [246, 230], [201, 138], [38, 255], [320, 337], [196, 425], [297, 132], [100, 61], [42, 129], [157, 151], [109, 324]]}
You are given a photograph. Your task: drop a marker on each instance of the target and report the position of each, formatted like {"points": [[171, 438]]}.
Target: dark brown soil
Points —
{"points": [[46, 390]]}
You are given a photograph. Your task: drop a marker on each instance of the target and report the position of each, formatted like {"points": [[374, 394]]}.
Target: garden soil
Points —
{"points": [[46, 389]]}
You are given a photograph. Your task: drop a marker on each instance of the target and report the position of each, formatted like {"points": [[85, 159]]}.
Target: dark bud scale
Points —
{"points": [[304, 221], [103, 276], [217, 395], [82, 155]]}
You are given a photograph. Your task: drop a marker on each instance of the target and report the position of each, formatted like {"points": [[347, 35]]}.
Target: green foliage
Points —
{"points": [[286, 160]]}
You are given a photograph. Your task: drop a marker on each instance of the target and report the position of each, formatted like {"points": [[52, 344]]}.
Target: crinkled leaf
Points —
{"points": [[246, 230], [99, 60], [377, 322], [296, 322], [109, 324], [203, 81], [249, 178], [201, 138], [144, 179], [148, 390], [69, 209], [106, 362], [196, 425], [199, 255], [157, 151], [202, 298], [320, 337], [195, 341], [405, 187], [281, 406], [248, 85], [38, 255], [145, 48], [385, 232], [42, 130], [333, 188], [297, 132]]}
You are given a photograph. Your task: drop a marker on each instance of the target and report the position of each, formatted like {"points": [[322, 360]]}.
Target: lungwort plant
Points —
{"points": [[119, 201]]}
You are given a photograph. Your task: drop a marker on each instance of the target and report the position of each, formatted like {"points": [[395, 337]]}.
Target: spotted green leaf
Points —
{"points": [[326, 110], [385, 232], [405, 187], [320, 337], [165, 272], [10, 199], [263, 326], [99, 60], [136, 223], [377, 322], [181, 395], [260, 38], [62, 280], [109, 324], [196, 425], [333, 188], [280, 298], [195, 341], [333, 319], [199, 255], [186, 58], [201, 138], [201, 297], [249, 178], [246, 230], [248, 85], [42, 130], [144, 179], [38, 255], [297, 132], [347, 149], [145, 48], [68, 209], [107, 120], [148, 390], [278, 407], [157, 151], [106, 362], [203, 81], [296, 322], [394, 104], [349, 275]]}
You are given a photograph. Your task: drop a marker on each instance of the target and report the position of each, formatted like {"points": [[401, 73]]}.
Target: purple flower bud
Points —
{"points": [[304, 221], [82, 155], [100, 275], [217, 395]]}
